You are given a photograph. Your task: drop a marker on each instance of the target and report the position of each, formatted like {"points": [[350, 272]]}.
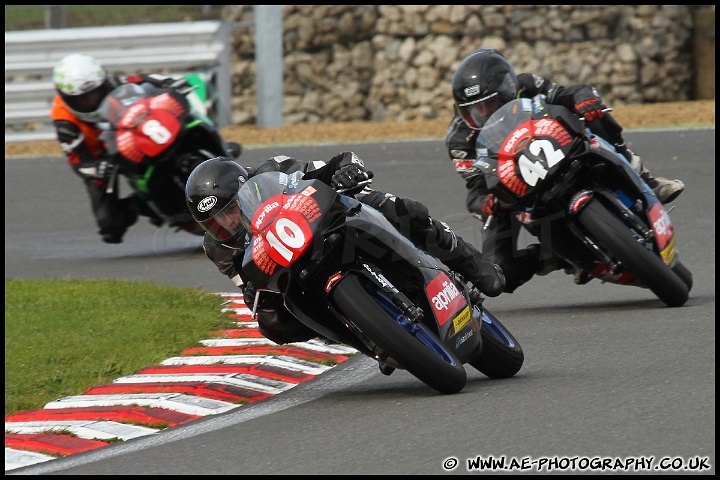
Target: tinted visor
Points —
{"points": [[87, 102], [226, 223], [476, 113]]}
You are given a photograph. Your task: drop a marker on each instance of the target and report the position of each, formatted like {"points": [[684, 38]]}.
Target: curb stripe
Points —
{"points": [[101, 430], [267, 350], [285, 362], [53, 444], [179, 402], [268, 371], [145, 415], [223, 393], [19, 458]]}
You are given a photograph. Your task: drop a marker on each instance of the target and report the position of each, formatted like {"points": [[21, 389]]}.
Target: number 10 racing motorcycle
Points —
{"points": [[155, 137], [581, 199], [346, 273]]}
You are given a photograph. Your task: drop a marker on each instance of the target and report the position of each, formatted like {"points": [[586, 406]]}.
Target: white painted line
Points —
{"points": [[22, 458], [247, 324], [280, 361], [238, 310], [244, 380], [96, 430], [315, 345], [236, 342], [189, 404]]}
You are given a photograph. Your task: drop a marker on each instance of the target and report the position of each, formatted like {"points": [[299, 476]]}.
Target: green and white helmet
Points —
{"points": [[82, 84]]}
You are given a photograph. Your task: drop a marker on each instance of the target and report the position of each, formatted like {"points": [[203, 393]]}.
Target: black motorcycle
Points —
{"points": [[346, 273], [581, 199], [155, 137]]}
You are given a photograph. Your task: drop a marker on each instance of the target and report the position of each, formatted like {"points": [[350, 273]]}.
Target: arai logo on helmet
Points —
{"points": [[474, 90], [207, 203]]}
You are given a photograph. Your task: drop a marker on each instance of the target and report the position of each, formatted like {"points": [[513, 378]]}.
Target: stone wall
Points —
{"points": [[395, 62]]}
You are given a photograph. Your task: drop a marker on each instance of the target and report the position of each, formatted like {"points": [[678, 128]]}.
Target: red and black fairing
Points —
{"points": [[455, 317], [306, 238], [148, 125], [282, 214], [528, 148], [146, 122], [540, 157]]}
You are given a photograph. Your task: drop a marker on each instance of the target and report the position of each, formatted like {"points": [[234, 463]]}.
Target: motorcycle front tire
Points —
{"points": [[412, 345], [501, 356], [611, 232]]}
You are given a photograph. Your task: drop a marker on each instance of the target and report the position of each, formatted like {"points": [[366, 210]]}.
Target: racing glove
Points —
{"points": [[101, 169], [348, 177], [491, 206], [180, 84], [589, 104]]}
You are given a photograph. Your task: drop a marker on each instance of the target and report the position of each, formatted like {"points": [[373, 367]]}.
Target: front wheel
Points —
{"points": [[684, 274], [412, 345], [501, 356], [621, 242]]}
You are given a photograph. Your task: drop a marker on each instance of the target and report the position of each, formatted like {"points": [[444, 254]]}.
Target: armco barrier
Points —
{"points": [[174, 48]]}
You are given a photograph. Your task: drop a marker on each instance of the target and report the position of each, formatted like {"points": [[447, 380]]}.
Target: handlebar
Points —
{"points": [[488, 222], [360, 184], [605, 110]]}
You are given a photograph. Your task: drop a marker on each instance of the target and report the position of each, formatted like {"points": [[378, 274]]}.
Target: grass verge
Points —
{"points": [[63, 336]]}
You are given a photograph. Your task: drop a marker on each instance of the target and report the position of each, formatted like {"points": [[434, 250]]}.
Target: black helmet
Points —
{"points": [[211, 193], [482, 83]]}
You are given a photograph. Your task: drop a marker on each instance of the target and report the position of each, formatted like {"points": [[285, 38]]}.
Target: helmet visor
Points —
{"points": [[86, 102], [476, 113], [226, 223]]}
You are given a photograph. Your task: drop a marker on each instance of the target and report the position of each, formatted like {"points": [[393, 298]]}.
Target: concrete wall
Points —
{"points": [[395, 62]]}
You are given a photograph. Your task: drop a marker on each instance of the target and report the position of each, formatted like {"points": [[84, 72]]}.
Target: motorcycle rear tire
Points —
{"points": [[368, 309], [620, 241], [501, 356]]}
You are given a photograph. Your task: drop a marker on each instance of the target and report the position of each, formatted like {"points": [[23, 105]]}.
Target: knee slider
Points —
{"points": [[280, 326]]}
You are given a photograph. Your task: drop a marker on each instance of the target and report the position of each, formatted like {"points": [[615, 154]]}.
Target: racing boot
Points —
{"points": [[437, 239], [665, 189], [234, 148], [467, 260], [125, 216]]}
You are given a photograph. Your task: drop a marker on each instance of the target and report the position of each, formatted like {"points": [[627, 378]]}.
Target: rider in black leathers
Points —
{"points": [[483, 82], [225, 245]]}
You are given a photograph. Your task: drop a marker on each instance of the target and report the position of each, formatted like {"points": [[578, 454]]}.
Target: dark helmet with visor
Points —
{"points": [[483, 82], [211, 193]]}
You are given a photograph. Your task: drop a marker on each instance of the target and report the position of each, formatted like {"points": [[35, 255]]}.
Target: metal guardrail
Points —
{"points": [[186, 47]]}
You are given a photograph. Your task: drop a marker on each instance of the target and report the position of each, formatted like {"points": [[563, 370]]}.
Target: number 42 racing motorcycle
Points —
{"points": [[581, 199], [346, 273]]}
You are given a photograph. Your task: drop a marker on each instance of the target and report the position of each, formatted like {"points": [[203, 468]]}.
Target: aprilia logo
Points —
{"points": [[445, 296]]}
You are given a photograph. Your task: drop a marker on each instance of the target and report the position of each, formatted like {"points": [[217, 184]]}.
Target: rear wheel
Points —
{"points": [[502, 356], [622, 243], [411, 345]]}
